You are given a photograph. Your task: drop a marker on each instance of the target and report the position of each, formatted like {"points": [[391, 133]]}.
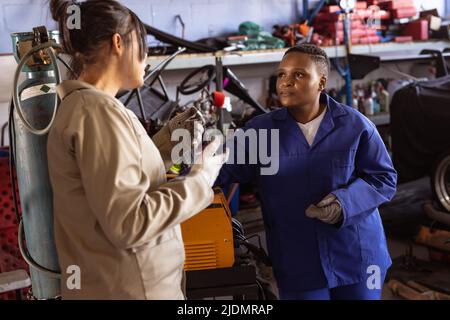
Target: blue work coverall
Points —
{"points": [[347, 158]]}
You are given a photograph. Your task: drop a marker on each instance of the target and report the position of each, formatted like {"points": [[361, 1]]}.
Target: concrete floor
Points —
{"points": [[397, 248]]}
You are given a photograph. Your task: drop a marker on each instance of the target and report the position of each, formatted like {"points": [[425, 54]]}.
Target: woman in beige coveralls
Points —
{"points": [[115, 216]]}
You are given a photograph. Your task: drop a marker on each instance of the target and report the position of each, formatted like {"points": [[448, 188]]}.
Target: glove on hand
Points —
{"points": [[192, 121], [328, 210], [211, 163]]}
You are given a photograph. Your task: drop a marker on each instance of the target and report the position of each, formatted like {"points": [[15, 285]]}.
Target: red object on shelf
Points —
{"points": [[417, 29], [219, 99], [359, 32], [384, 15], [396, 4], [367, 40], [361, 5], [326, 17], [379, 14], [329, 42], [330, 9], [404, 12], [379, 3], [362, 14], [400, 39], [354, 41], [331, 27]]}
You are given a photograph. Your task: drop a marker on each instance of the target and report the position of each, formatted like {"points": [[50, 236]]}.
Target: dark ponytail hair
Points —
{"points": [[100, 20]]}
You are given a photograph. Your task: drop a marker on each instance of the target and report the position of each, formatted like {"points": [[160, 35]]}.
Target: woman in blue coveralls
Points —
{"points": [[324, 233]]}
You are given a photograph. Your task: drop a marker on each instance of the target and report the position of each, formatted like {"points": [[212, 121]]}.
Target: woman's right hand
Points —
{"points": [[210, 163]]}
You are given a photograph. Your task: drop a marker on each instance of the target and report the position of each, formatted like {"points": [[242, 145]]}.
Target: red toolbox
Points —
{"points": [[396, 4], [406, 12], [417, 29]]}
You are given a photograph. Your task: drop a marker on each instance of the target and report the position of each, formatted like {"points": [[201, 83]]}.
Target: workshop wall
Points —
{"points": [[203, 18]]}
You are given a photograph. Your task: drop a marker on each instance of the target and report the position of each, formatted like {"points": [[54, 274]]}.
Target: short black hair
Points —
{"points": [[318, 55]]}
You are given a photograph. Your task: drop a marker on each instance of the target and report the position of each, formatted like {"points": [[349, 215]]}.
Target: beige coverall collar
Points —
{"points": [[68, 86]]}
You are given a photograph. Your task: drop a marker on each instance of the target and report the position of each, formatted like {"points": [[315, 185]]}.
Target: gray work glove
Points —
{"points": [[328, 210], [210, 162], [192, 121]]}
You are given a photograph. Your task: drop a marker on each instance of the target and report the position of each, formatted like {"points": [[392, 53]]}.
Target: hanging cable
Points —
{"points": [[30, 261], [12, 166], [66, 65], [16, 99]]}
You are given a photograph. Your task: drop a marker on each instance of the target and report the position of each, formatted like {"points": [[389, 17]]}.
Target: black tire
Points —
{"points": [[440, 180]]}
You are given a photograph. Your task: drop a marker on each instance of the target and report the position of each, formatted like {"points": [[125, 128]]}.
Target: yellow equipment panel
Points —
{"points": [[208, 237]]}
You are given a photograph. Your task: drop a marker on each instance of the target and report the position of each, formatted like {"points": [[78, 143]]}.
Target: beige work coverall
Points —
{"points": [[116, 217]]}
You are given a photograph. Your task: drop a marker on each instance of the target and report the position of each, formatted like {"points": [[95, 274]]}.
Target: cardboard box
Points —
{"points": [[432, 16]]}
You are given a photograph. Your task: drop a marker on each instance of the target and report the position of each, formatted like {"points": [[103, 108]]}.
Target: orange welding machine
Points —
{"points": [[208, 236]]}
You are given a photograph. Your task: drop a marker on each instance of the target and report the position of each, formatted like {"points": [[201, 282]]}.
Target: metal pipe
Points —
{"points": [[219, 88], [348, 49], [305, 9]]}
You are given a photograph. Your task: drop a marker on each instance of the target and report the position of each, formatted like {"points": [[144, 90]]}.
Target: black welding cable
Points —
{"points": [[12, 152], [66, 65], [255, 235], [12, 141], [261, 290]]}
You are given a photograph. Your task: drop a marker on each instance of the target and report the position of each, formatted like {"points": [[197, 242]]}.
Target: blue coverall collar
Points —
{"points": [[334, 110]]}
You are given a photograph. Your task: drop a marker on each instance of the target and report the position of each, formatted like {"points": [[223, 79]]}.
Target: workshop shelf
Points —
{"points": [[387, 51]]}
